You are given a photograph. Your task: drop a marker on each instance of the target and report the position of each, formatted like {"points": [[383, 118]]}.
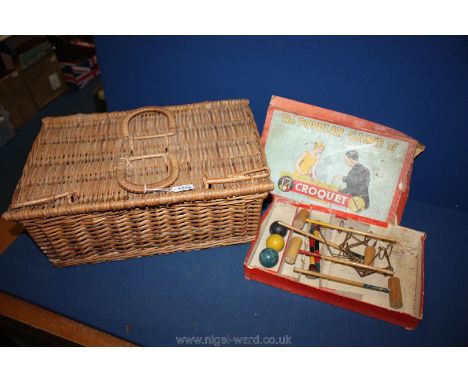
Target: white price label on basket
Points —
{"points": [[183, 187]]}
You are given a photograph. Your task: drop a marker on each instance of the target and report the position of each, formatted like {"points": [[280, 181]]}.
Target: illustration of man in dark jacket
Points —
{"points": [[358, 178]]}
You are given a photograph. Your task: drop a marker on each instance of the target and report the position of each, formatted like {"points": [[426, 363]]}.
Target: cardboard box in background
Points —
{"points": [[45, 81], [21, 52], [16, 99]]}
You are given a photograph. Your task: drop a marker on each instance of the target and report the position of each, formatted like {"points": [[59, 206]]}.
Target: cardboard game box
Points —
{"points": [[332, 232]]}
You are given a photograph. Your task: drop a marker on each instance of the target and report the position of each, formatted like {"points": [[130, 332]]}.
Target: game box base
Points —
{"points": [[406, 259]]}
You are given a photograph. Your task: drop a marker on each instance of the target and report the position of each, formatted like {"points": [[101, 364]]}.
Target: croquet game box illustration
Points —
{"points": [[336, 161], [332, 232]]}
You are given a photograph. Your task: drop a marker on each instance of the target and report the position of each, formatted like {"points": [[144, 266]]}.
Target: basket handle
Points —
{"points": [[257, 173], [169, 115], [144, 188], [46, 199]]}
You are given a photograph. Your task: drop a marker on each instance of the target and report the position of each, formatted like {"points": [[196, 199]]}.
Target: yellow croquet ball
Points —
{"points": [[275, 242]]}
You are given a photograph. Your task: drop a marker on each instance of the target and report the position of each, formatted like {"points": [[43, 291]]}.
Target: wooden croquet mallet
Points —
{"points": [[296, 242], [297, 230], [369, 252], [349, 263], [307, 234], [393, 290], [350, 230], [335, 246]]}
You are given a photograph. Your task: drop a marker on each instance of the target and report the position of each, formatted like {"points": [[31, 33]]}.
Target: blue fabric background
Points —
{"points": [[418, 85]]}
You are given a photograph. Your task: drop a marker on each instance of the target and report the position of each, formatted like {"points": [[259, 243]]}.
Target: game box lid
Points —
{"points": [[338, 163]]}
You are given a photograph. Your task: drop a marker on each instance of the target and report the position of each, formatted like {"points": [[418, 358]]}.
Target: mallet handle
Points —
{"points": [[342, 281], [307, 234], [350, 230], [348, 262]]}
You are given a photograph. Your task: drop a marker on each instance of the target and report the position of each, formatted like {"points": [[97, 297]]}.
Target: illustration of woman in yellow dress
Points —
{"points": [[307, 163]]}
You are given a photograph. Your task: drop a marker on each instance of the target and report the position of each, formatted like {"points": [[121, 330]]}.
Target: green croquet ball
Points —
{"points": [[269, 258]]}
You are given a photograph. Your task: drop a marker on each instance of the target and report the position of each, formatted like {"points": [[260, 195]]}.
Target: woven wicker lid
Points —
{"points": [[120, 160]]}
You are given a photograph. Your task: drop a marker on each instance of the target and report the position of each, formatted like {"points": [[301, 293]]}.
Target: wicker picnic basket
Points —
{"points": [[155, 180]]}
